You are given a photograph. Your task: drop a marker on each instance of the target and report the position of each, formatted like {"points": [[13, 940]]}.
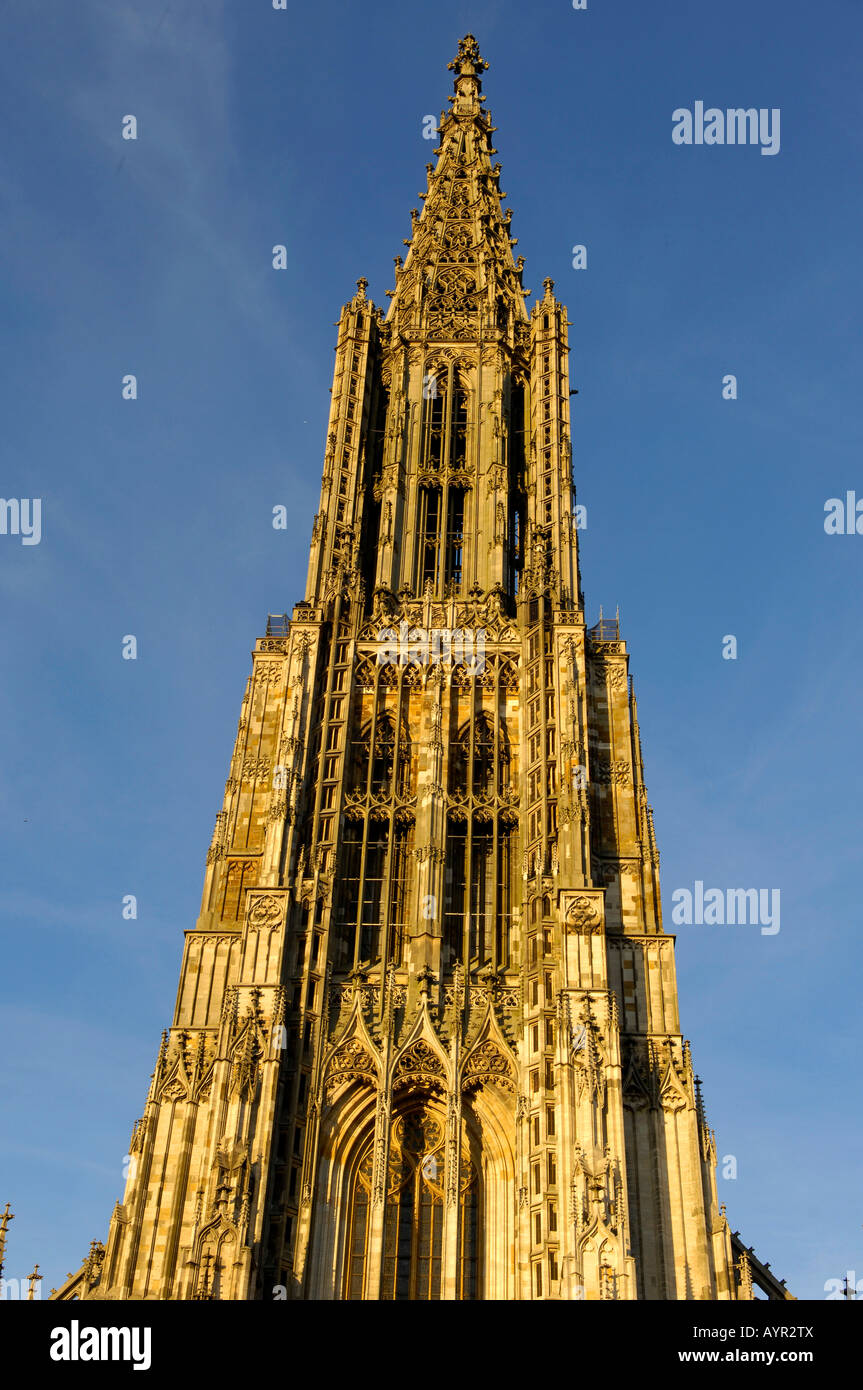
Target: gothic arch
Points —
{"points": [[413, 1215], [489, 1116], [489, 1062], [346, 1125], [347, 1143], [480, 756], [381, 755], [216, 1253]]}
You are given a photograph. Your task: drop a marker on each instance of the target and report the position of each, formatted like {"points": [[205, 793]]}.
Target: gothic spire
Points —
{"points": [[460, 280]]}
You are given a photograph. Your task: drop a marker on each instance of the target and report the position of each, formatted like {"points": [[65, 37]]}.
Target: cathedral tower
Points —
{"points": [[426, 1042]]}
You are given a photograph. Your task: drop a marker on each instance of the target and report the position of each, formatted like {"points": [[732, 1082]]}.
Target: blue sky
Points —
{"points": [[705, 516]]}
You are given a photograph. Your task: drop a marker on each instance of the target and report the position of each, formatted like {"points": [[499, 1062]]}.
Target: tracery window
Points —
{"points": [[373, 891], [430, 513], [389, 757], [458, 427], [453, 552], [384, 755], [373, 883], [478, 865], [411, 1267], [479, 766], [445, 399], [484, 765], [435, 395], [478, 892], [442, 507], [441, 529]]}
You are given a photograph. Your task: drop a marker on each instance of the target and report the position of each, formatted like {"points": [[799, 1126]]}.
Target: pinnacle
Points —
{"points": [[468, 60]]}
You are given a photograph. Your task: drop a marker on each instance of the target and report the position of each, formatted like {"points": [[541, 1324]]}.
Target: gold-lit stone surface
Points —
{"points": [[426, 1040]]}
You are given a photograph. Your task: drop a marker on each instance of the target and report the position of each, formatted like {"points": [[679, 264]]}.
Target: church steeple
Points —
{"points": [[460, 279], [426, 1042], [448, 463]]}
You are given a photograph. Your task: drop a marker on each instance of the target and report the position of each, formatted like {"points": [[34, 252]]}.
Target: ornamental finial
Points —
{"points": [[468, 60]]}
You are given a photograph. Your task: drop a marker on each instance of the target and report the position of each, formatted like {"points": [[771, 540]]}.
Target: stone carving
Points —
{"points": [[351, 1062], [582, 916], [638, 1090], [268, 673], [174, 1090], [279, 811], [255, 768], [487, 1064], [433, 853], [265, 912], [419, 1065], [657, 1075], [616, 773]]}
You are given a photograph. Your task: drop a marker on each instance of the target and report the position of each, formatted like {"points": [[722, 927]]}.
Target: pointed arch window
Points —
{"points": [[430, 513], [388, 758], [446, 402], [458, 426], [478, 867], [484, 764], [373, 891], [435, 396], [478, 892], [479, 758], [443, 450], [442, 529], [373, 883], [412, 1256], [383, 762], [453, 552], [361, 745]]}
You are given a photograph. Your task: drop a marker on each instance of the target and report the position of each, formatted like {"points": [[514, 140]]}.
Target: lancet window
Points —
{"points": [[381, 759], [373, 891], [373, 880], [442, 505], [445, 414], [442, 519], [478, 891], [479, 758], [412, 1254]]}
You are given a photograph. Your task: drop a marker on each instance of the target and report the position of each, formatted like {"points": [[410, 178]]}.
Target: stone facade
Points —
{"points": [[426, 1041]]}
